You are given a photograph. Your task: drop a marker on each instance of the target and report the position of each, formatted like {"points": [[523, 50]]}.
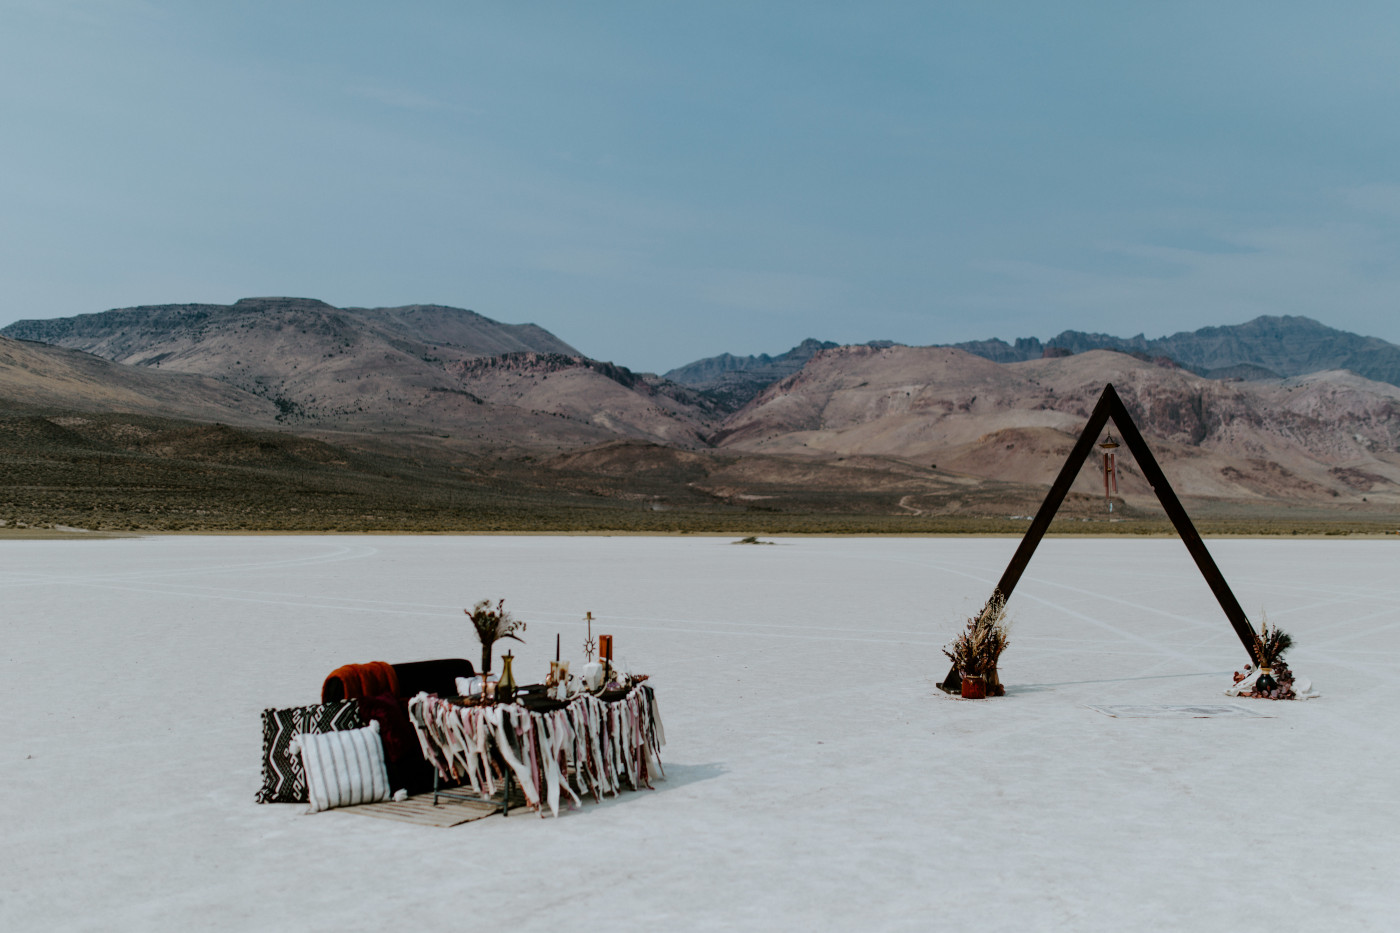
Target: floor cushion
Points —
{"points": [[345, 768], [282, 776]]}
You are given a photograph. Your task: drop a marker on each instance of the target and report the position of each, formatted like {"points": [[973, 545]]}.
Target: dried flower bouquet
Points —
{"points": [[977, 649], [493, 623], [1274, 680]]}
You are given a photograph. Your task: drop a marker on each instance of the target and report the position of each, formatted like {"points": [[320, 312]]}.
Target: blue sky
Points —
{"points": [[659, 182]]}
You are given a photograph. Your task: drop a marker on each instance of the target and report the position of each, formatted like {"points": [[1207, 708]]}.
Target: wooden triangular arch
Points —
{"points": [[1111, 406]]}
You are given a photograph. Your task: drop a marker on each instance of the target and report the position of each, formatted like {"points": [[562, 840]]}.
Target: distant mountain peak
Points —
{"points": [[1267, 347], [281, 304], [733, 381]]}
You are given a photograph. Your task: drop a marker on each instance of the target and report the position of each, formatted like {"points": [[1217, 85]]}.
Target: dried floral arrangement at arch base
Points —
{"points": [[1274, 680], [978, 647]]}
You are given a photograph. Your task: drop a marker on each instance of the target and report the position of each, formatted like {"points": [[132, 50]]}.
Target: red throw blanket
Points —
{"points": [[352, 681]]}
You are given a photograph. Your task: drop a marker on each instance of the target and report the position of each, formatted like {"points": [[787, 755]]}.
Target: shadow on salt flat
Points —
{"points": [[1227, 711], [1030, 688], [678, 775], [1018, 689]]}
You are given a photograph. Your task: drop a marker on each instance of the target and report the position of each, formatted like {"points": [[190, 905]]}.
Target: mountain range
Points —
{"points": [[1280, 409], [422, 368], [1264, 348]]}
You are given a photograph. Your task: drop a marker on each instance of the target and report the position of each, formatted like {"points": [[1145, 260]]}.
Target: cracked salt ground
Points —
{"points": [[816, 778]]}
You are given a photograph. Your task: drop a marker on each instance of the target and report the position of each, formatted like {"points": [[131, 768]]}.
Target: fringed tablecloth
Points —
{"points": [[588, 746]]}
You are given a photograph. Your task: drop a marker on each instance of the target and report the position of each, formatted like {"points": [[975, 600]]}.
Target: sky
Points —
{"points": [[661, 182]]}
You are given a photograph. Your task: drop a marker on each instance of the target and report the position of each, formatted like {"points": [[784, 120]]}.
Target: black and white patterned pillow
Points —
{"points": [[283, 778]]}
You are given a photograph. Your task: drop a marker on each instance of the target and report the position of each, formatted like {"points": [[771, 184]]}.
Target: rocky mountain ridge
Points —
{"points": [[36, 376], [411, 368], [1264, 348], [925, 430], [734, 380], [127, 335], [1326, 435]]}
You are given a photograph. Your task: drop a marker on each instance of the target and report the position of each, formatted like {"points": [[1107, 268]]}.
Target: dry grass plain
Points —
{"points": [[138, 473]]}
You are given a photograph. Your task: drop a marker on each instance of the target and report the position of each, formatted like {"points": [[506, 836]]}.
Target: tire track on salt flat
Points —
{"points": [[1192, 622], [336, 556], [176, 594], [633, 623]]}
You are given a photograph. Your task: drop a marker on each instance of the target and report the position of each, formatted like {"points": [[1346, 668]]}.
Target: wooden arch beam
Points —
{"points": [[1110, 406]]}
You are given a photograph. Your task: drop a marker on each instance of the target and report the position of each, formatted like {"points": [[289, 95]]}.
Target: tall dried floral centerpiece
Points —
{"points": [[977, 649], [1275, 679], [492, 623]]}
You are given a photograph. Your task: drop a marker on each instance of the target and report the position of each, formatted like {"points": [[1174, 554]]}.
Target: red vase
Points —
{"points": [[974, 688]]}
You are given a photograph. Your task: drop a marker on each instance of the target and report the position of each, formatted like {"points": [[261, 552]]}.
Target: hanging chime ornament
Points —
{"points": [[1110, 469]]}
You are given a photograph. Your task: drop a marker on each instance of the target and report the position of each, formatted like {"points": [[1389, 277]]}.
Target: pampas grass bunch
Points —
{"points": [[1270, 644], [979, 645]]}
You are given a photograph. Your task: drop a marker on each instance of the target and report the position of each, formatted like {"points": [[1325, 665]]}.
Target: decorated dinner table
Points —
{"points": [[553, 744]]}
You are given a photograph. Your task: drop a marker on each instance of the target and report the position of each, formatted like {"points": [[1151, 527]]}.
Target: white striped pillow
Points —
{"points": [[344, 768]]}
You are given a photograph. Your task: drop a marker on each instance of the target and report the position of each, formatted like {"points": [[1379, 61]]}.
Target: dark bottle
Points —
{"points": [[505, 687]]}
